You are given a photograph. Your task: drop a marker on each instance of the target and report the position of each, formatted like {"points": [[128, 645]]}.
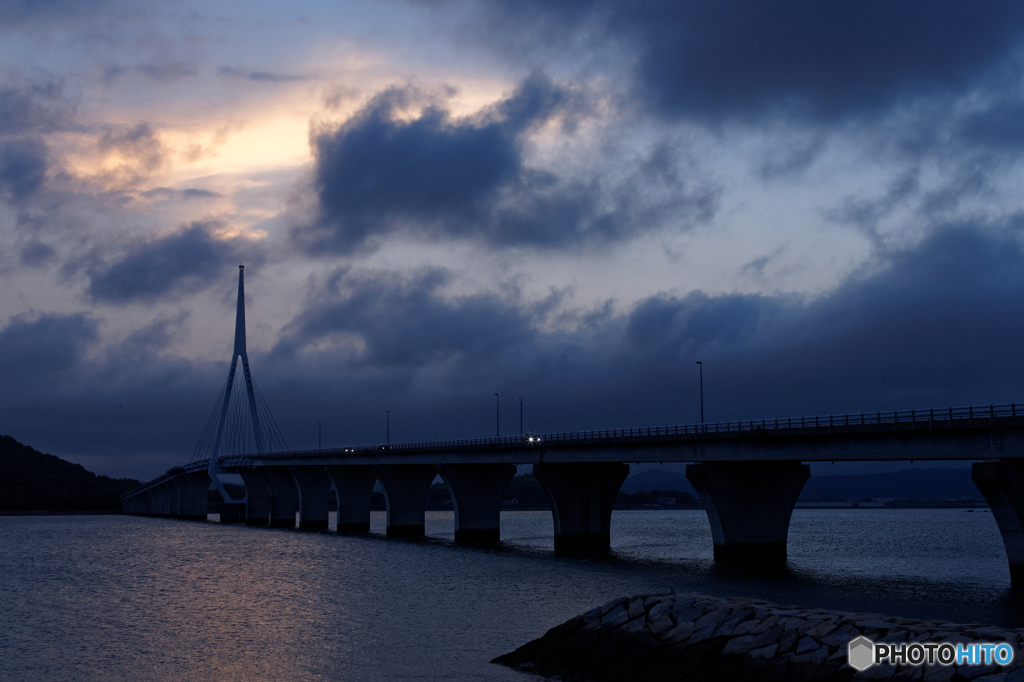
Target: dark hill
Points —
{"points": [[907, 484], [931, 484], [32, 481]]}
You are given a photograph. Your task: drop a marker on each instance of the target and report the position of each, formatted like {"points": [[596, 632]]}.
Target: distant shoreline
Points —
{"points": [[84, 512]]}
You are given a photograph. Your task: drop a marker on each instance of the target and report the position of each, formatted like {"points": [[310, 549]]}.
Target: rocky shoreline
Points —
{"points": [[694, 637]]}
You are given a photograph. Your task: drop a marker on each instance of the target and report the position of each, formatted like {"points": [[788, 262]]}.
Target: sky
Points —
{"points": [[564, 203]]}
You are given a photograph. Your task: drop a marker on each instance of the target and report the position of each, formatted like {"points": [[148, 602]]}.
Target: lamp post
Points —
{"points": [[520, 416], [319, 439], [497, 416], [388, 413], [701, 391]]}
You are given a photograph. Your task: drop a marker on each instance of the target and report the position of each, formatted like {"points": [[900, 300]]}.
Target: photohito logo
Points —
{"points": [[863, 653]]}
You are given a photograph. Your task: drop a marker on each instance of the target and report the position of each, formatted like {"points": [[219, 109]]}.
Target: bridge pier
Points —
{"points": [[749, 505], [353, 486], [151, 502], [198, 494], [314, 491], [1002, 484], [405, 490], [284, 496], [233, 512], [477, 490], [164, 500], [582, 496], [178, 488], [257, 496]]}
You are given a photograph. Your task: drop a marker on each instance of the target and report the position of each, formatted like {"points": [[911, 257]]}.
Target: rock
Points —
{"points": [[679, 633], [841, 637], [787, 640], [661, 625], [739, 645], [669, 636], [614, 618], [660, 609], [712, 618], [807, 645], [763, 653], [768, 622]]}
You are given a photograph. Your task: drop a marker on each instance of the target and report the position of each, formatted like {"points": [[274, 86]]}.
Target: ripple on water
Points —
{"points": [[105, 598]]}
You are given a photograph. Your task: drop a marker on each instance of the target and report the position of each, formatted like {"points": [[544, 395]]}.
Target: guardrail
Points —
{"points": [[933, 417]]}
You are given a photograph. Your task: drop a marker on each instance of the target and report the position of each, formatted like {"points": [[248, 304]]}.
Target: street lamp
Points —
{"points": [[520, 416], [497, 416], [319, 440], [388, 413], [701, 391]]}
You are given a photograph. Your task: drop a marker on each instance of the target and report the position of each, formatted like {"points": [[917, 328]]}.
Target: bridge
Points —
{"points": [[748, 473]]}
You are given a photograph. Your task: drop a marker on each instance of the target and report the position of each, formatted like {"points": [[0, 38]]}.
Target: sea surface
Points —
{"points": [[126, 598]]}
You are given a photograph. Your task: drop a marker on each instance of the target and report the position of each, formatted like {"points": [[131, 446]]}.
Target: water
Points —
{"points": [[113, 598]]}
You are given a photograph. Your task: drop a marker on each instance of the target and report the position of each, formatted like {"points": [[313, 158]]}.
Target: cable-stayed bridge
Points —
{"points": [[748, 473]]}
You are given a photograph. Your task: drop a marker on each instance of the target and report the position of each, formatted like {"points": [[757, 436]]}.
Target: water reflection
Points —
{"points": [[100, 598]]}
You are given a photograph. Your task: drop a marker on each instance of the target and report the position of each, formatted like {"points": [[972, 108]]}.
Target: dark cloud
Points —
{"points": [[36, 253], [167, 193], [930, 328], [257, 76], [23, 166], [438, 177], [21, 13], [35, 108], [35, 350], [378, 314], [935, 327], [185, 261], [138, 145], [709, 59]]}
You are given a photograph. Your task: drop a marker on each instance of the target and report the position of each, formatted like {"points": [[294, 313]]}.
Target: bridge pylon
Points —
{"points": [[243, 421]]}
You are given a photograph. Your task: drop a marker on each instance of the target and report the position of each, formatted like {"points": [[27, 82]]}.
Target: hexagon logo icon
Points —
{"points": [[861, 653]]}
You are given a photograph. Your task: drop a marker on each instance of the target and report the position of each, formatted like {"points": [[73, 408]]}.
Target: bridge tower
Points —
{"points": [[241, 420]]}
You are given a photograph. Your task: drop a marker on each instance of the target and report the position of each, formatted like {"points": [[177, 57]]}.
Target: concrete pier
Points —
{"points": [[405, 489], [233, 512], [582, 496], [284, 497], [314, 486], [749, 505], [1002, 484], [164, 500], [198, 493], [477, 490], [353, 486], [177, 489], [257, 496]]}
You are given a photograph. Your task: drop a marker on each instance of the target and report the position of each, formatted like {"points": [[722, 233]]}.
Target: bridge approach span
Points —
{"points": [[748, 475]]}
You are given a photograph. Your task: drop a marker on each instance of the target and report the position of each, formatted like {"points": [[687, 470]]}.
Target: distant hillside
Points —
{"points": [[32, 481], [657, 479], [908, 484]]}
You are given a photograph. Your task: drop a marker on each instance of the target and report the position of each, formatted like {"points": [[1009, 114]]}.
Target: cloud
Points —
{"points": [[436, 177], [19, 13], [711, 59], [167, 194], [23, 166], [35, 350], [257, 76], [137, 147], [36, 108], [182, 262], [389, 319], [927, 328]]}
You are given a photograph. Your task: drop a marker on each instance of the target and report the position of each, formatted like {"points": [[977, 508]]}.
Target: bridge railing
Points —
{"points": [[948, 417]]}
